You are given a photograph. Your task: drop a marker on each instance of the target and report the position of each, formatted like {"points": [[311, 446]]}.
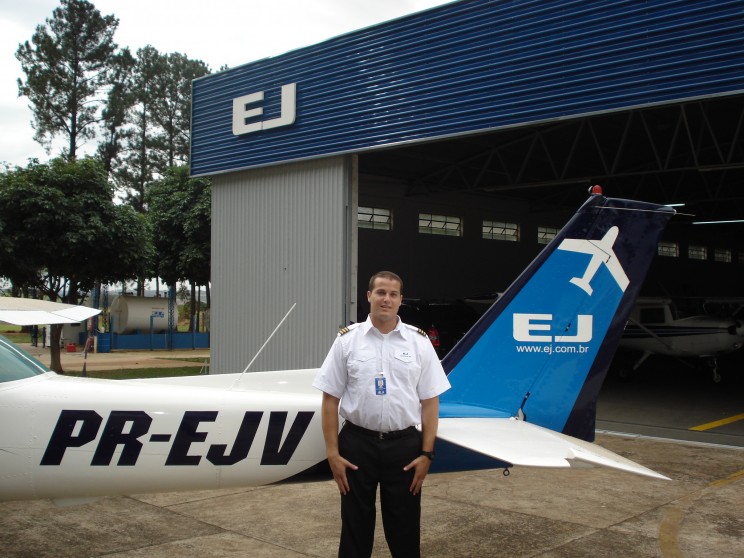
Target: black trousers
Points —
{"points": [[380, 463]]}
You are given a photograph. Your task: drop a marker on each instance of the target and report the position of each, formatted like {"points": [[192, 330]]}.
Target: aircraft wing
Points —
{"points": [[521, 443], [29, 311]]}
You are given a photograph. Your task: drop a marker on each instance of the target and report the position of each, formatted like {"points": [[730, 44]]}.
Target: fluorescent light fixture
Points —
{"points": [[717, 222], [675, 205]]}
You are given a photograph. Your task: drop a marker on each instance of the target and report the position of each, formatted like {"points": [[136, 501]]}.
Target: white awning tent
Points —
{"points": [[28, 311]]}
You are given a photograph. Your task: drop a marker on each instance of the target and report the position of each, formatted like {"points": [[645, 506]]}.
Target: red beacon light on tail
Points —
{"points": [[595, 190]]}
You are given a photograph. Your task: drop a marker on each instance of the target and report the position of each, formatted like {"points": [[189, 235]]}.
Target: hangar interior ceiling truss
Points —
{"points": [[691, 152]]}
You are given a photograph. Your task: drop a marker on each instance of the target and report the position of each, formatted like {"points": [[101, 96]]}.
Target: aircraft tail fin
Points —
{"points": [[542, 351]]}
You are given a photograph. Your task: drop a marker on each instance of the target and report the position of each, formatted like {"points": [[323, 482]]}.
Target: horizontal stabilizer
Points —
{"points": [[521, 443], [29, 311]]}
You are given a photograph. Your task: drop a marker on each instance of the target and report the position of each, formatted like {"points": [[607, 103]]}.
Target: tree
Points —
{"points": [[114, 115], [171, 110], [157, 123], [183, 293], [136, 166], [62, 233], [179, 212], [68, 67]]}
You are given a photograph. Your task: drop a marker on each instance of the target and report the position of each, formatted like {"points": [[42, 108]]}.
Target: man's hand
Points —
{"points": [[329, 412], [429, 425], [338, 468], [421, 465]]}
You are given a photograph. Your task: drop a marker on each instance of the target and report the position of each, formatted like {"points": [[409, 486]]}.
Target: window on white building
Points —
{"points": [[722, 255], [669, 249], [374, 218], [697, 252], [546, 234], [440, 224], [500, 230]]}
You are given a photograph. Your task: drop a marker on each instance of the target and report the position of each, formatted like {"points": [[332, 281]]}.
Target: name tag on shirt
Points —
{"points": [[405, 356], [380, 385]]}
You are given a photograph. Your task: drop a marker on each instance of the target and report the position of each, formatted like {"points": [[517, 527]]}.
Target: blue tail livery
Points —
{"points": [[531, 368]]}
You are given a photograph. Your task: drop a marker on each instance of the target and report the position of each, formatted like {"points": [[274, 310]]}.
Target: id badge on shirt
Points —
{"points": [[380, 385]]}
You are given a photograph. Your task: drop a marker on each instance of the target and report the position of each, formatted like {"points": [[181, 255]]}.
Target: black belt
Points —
{"points": [[392, 435]]}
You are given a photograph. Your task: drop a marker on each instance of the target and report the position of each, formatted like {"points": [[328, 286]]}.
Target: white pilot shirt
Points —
{"points": [[361, 356]]}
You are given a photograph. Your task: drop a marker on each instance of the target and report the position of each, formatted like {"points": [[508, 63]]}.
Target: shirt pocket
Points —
{"points": [[361, 365], [406, 367], [405, 356]]}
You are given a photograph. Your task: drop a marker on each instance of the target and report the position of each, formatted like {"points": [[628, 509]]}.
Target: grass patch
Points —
{"points": [[202, 360], [137, 373], [14, 334]]}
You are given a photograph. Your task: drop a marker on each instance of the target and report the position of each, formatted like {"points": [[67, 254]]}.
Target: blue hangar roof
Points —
{"points": [[462, 68]]}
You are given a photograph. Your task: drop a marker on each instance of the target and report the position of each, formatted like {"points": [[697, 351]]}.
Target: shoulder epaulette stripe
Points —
{"points": [[343, 331], [417, 330]]}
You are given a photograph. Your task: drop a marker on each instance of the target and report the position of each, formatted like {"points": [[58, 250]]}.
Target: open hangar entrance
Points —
{"points": [[535, 176], [688, 153]]}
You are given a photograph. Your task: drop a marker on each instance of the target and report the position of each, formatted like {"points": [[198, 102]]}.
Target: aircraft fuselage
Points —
{"points": [[169, 437]]}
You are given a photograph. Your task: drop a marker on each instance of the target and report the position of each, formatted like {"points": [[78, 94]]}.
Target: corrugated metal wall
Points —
{"points": [[470, 66], [280, 236]]}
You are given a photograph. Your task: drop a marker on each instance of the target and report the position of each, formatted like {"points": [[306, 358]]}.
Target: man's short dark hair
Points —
{"points": [[385, 275]]}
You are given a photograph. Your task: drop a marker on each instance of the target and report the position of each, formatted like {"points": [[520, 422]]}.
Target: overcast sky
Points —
{"points": [[219, 32]]}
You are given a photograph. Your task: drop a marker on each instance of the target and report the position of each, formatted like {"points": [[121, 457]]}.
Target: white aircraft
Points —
{"points": [[654, 329], [602, 253], [525, 380]]}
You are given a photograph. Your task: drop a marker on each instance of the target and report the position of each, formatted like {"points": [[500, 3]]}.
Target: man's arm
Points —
{"points": [[329, 420], [429, 422], [429, 426]]}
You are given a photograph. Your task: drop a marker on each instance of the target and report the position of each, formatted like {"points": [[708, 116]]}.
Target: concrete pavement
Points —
{"points": [[531, 513]]}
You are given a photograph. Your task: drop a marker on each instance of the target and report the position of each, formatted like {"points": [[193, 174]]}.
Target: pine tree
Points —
{"points": [[68, 67]]}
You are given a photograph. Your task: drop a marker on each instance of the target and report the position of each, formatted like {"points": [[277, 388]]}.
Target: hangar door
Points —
{"points": [[282, 235]]}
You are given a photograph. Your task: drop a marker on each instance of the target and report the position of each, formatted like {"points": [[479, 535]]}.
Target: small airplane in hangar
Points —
{"points": [[525, 380], [654, 329]]}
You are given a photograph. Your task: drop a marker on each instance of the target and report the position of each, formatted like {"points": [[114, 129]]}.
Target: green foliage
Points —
{"points": [[185, 312], [180, 216], [135, 166], [62, 231], [154, 129], [67, 65], [183, 294], [171, 108], [68, 233], [114, 114]]}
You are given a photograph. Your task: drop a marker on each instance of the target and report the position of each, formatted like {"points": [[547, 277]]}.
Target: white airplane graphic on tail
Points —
{"points": [[602, 253], [519, 399]]}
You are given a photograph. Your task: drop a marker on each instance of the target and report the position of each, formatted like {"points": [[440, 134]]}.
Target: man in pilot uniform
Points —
{"points": [[383, 378]]}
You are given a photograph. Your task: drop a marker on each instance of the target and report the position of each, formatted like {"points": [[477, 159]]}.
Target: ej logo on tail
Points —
{"points": [[526, 326]]}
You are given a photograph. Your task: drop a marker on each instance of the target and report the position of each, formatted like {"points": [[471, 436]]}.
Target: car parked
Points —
{"points": [[444, 322]]}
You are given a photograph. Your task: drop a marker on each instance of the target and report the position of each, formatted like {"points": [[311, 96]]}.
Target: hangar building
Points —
{"points": [[448, 145]]}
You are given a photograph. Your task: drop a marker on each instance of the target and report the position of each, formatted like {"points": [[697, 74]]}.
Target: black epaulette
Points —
{"points": [[422, 332]]}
